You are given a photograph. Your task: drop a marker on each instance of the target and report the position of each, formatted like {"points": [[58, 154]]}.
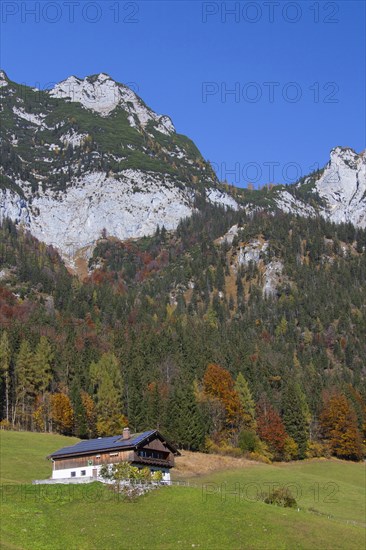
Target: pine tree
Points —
{"points": [[135, 401], [42, 360], [239, 285], [24, 383], [247, 403], [153, 406], [295, 416], [5, 356], [186, 425], [108, 386], [220, 276], [80, 415]]}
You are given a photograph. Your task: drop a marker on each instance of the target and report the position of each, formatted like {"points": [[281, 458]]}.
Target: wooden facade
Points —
{"points": [[93, 459], [154, 452]]}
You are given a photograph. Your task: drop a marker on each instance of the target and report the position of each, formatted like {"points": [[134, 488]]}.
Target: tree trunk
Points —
{"points": [[7, 395]]}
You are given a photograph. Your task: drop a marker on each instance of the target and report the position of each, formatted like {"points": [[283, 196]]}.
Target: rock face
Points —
{"points": [[338, 192], [89, 157], [97, 203], [343, 187], [252, 252]]}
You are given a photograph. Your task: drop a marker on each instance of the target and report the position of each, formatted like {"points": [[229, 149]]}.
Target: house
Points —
{"points": [[148, 449]]}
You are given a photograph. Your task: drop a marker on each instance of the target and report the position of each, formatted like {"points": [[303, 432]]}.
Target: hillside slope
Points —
{"points": [[275, 297], [330, 513]]}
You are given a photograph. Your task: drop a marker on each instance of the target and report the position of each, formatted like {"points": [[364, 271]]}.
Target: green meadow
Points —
{"points": [[219, 511]]}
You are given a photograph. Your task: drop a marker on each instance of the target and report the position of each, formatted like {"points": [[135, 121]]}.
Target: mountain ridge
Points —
{"points": [[89, 157]]}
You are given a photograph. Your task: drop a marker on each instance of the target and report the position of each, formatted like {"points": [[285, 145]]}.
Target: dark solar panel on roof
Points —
{"points": [[103, 443]]}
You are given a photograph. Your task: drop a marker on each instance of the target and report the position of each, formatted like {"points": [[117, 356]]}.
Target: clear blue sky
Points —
{"points": [[297, 69]]}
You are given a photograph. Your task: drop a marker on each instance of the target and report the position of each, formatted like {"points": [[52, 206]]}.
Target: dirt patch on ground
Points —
{"points": [[191, 464]]}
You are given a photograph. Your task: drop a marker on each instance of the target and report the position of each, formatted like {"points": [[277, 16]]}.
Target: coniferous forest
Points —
{"points": [[186, 332]]}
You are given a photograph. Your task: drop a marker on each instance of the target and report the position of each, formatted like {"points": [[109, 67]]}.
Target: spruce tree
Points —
{"points": [[108, 386], [247, 403], [153, 404], [135, 400], [295, 415], [5, 356], [186, 425], [80, 418], [42, 360], [24, 383], [220, 276]]}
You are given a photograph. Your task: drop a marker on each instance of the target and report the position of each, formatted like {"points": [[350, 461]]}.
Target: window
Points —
{"points": [[113, 454], [83, 472], [73, 474]]}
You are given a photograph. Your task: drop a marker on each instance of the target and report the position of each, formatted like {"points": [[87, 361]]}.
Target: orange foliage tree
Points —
{"points": [[270, 427], [218, 386], [339, 425], [90, 413]]}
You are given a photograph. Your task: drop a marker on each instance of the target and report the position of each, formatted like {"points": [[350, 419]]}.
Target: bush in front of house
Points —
{"points": [[126, 472]]}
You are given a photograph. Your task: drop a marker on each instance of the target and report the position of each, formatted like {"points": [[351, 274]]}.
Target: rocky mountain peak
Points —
{"points": [[89, 157], [343, 186], [103, 95], [3, 78]]}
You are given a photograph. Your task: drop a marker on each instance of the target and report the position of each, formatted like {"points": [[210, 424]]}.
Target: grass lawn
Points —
{"points": [[23, 455], [332, 487], [92, 517]]}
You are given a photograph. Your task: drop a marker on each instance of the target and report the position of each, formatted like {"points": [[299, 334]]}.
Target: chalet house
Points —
{"points": [[148, 449]]}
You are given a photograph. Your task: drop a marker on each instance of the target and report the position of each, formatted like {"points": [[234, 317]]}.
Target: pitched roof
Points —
{"points": [[101, 444]]}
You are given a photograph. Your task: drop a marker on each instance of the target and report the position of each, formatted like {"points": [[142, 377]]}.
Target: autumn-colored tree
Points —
{"points": [[41, 415], [62, 414], [270, 427], [339, 424], [90, 412], [218, 385], [217, 381]]}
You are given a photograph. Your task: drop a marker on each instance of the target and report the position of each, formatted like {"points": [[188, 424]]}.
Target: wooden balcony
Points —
{"points": [[150, 461]]}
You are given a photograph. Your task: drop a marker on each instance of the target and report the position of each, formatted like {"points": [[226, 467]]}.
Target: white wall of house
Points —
{"points": [[79, 472], [87, 471]]}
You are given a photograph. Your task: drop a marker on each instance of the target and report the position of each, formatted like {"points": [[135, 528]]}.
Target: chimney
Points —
{"points": [[126, 433]]}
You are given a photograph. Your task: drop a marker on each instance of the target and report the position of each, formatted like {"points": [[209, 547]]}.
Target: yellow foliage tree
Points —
{"points": [[62, 414]]}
